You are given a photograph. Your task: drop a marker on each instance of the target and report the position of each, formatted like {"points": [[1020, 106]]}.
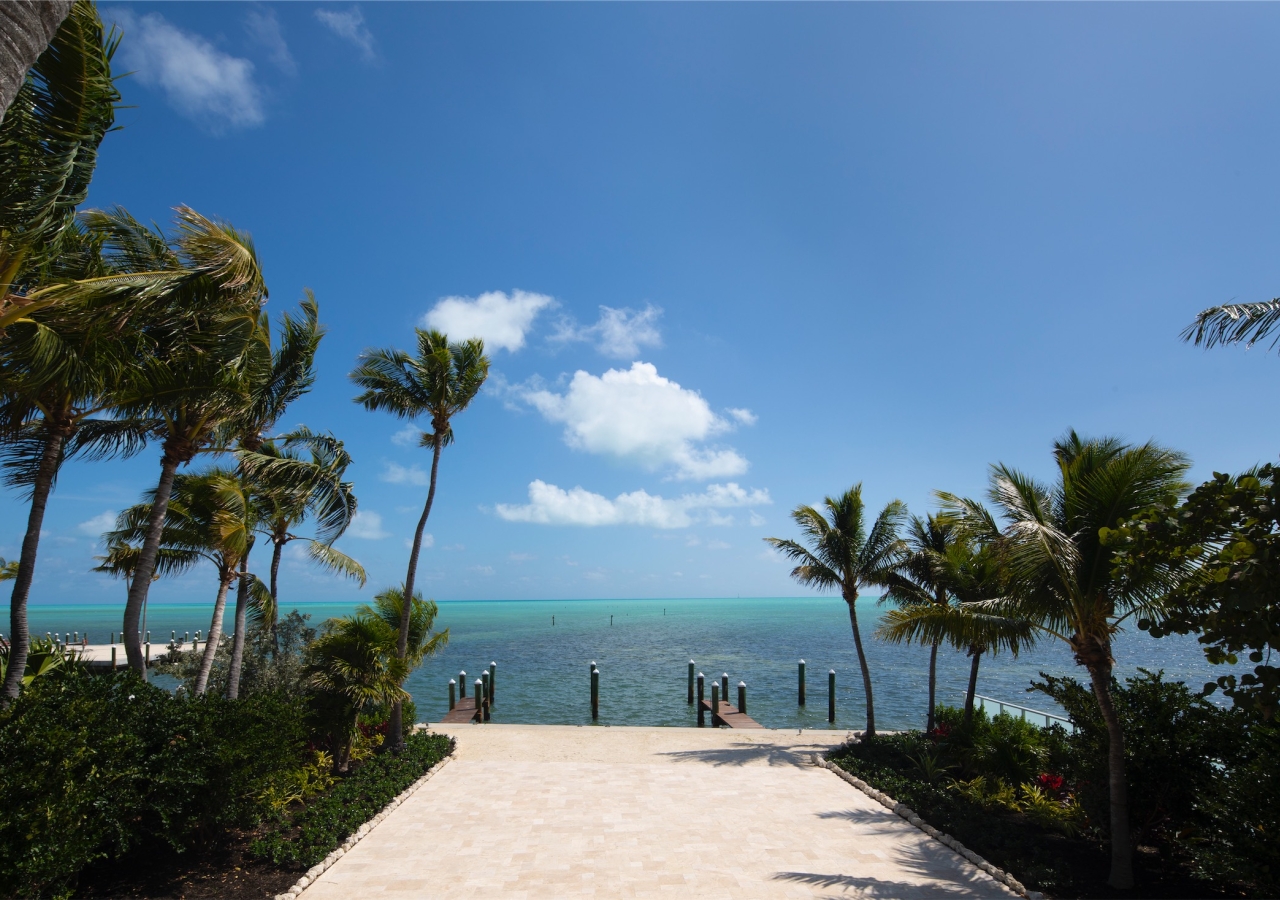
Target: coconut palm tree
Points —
{"points": [[438, 383], [917, 582], [203, 333], [209, 515], [388, 607], [1234, 323], [49, 139], [60, 369], [28, 28], [843, 555], [121, 559], [970, 576], [291, 488], [1061, 575]]}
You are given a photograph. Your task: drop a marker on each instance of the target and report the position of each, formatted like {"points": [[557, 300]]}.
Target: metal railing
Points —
{"points": [[1049, 718]]}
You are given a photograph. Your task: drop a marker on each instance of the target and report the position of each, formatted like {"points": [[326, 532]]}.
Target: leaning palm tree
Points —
{"points": [[972, 620], [60, 369], [918, 582], [49, 139], [843, 555], [204, 340], [438, 383], [121, 560], [1061, 575]]}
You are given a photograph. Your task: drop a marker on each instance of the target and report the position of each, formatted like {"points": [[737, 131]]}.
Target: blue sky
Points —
{"points": [[729, 258]]}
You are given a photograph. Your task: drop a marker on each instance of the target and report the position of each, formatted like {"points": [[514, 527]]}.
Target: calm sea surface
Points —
{"points": [[643, 656]]}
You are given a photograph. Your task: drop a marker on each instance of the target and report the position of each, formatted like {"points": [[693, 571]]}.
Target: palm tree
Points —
{"points": [[352, 665], [203, 331], [918, 582], [28, 28], [388, 606], [209, 515], [1061, 575], [121, 559], [971, 578], [439, 382], [59, 372], [291, 488], [49, 140], [842, 554]]}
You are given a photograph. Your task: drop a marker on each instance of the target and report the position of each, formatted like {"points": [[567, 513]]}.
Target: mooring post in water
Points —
{"points": [[148, 653], [484, 674], [479, 686], [595, 694], [702, 716], [831, 696], [802, 682], [724, 687], [692, 676], [715, 702], [453, 689], [742, 697], [462, 684], [113, 657], [493, 684]]}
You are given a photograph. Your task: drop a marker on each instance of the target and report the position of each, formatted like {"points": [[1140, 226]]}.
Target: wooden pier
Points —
{"points": [[729, 717], [464, 711]]}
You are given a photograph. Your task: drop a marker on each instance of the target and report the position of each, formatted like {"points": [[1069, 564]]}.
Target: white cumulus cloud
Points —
{"points": [[200, 80], [98, 524], [367, 525], [348, 24], [264, 28], [398, 474], [407, 436], [637, 415], [499, 320], [618, 332], [552, 505]]}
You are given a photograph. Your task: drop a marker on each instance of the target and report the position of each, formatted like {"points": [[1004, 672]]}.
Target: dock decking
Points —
{"points": [[729, 717]]}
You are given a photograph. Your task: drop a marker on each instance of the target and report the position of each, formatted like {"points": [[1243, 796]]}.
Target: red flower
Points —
{"points": [[1050, 782], [942, 731]]}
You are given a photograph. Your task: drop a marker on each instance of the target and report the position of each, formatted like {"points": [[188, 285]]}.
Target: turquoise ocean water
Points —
{"points": [[543, 669]]}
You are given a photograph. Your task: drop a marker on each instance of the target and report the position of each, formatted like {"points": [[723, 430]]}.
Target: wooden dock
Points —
{"points": [[729, 717], [465, 711]]}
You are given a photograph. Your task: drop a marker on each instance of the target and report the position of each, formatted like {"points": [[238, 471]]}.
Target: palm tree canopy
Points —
{"points": [[352, 660], [920, 577], [294, 487], [439, 382], [842, 553], [1060, 572], [388, 607]]}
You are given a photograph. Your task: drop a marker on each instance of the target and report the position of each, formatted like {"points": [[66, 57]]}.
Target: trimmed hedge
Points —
{"points": [[321, 827]]}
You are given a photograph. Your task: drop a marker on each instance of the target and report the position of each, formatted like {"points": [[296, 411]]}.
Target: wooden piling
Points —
{"points": [[493, 684], [802, 682], [479, 700], [724, 687], [715, 701], [742, 697], [595, 694], [831, 696], [692, 677], [453, 700], [702, 719]]}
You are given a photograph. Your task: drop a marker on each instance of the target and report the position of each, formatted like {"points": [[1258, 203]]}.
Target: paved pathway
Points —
{"points": [[544, 811]]}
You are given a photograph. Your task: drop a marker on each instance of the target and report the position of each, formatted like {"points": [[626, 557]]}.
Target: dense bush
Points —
{"points": [[94, 766], [320, 827], [269, 666]]}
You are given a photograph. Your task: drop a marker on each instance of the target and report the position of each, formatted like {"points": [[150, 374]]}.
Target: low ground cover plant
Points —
{"points": [[1205, 802]]}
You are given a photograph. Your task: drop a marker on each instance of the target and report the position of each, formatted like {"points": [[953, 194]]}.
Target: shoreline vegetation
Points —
{"points": [[118, 338]]}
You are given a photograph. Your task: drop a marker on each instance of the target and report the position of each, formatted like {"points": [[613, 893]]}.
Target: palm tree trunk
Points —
{"points": [[19, 635], [28, 29], [237, 640], [862, 663], [976, 655], [933, 684], [214, 637], [146, 566], [395, 728], [1121, 842], [276, 552]]}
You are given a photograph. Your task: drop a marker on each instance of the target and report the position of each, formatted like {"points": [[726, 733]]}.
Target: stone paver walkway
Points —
{"points": [[542, 811]]}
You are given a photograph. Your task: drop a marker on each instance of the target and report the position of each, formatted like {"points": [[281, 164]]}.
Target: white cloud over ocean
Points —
{"points": [[501, 321], [552, 505], [638, 416]]}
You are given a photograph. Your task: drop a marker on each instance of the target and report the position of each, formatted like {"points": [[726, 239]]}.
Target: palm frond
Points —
{"points": [[1234, 323]]}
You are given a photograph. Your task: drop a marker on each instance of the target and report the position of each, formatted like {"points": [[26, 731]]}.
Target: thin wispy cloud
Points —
{"points": [[394, 473], [98, 524], [638, 416], [618, 333], [348, 24], [408, 436], [203, 83], [552, 505], [264, 29], [501, 321], [367, 525]]}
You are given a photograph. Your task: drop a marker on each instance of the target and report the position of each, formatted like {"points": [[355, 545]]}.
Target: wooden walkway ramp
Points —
{"points": [[729, 717], [465, 711]]}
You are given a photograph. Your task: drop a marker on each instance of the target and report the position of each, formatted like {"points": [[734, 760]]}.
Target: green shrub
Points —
{"points": [[96, 766], [319, 828]]}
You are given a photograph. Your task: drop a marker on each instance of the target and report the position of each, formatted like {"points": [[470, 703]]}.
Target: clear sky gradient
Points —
{"points": [[737, 257]]}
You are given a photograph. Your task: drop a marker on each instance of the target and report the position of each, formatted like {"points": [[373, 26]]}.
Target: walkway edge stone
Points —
{"points": [[360, 833], [913, 818]]}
